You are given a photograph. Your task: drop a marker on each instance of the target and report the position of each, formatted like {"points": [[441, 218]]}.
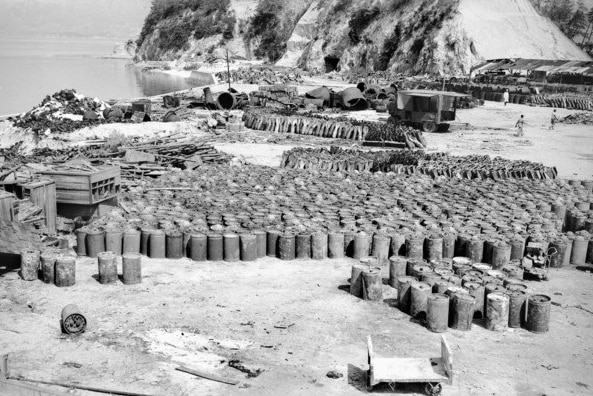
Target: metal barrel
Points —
{"points": [[260, 236], [107, 267], [145, 239], [361, 245], [198, 247], [287, 246], [437, 313], [319, 244], [415, 247], [30, 265], [335, 245], [81, 241], [372, 284], [419, 293], [65, 272], [434, 248], [356, 279], [174, 244], [303, 246], [381, 246], [113, 241], [48, 266], [538, 313], [215, 247], [475, 249], [248, 247], [517, 307], [73, 321], [501, 255], [462, 311], [131, 268], [272, 242], [157, 244], [131, 241], [95, 242], [477, 290], [404, 292], [497, 311], [397, 269], [231, 244]]}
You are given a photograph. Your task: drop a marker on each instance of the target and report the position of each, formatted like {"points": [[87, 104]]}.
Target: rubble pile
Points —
{"points": [[136, 157], [333, 127], [581, 118], [260, 76], [417, 162], [64, 111]]}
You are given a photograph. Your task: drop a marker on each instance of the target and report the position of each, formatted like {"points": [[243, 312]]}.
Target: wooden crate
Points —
{"points": [[42, 193], [6, 206], [86, 188]]}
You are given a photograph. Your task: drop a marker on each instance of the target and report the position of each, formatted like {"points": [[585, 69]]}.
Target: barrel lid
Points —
{"points": [[421, 286], [539, 298], [500, 296], [438, 296]]}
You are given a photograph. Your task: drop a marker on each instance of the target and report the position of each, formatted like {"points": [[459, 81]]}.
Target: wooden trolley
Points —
{"points": [[432, 371]]}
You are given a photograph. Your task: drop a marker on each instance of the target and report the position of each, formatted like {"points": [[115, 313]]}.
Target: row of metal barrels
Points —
{"points": [[296, 161], [450, 293], [250, 245], [60, 269]]}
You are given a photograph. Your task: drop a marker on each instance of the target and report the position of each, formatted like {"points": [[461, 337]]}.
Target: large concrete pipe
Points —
{"points": [[353, 99]]}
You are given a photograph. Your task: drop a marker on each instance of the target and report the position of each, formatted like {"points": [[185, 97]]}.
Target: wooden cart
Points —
{"points": [[432, 371]]}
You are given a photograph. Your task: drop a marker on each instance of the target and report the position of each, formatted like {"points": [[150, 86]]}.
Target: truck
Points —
{"points": [[430, 111]]}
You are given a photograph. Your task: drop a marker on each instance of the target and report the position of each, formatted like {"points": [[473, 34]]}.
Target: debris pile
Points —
{"points": [[581, 118], [266, 76], [64, 111], [404, 162]]}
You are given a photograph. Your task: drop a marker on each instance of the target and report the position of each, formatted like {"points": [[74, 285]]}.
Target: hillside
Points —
{"points": [[410, 36]]}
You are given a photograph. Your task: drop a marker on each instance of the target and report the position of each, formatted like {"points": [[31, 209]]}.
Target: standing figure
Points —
{"points": [[505, 96], [553, 120], [519, 125]]}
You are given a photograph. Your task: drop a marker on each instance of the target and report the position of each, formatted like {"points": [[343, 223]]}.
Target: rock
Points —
{"points": [[334, 374]]}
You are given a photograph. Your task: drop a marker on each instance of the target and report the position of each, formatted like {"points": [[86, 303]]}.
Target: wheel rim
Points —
{"points": [[429, 126]]}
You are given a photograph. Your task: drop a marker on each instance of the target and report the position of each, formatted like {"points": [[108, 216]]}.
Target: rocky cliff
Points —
{"points": [[445, 37]]}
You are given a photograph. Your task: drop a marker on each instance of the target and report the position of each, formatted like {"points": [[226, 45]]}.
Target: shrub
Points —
{"points": [[359, 21]]}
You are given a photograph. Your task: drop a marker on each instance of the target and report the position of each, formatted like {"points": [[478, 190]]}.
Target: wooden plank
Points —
{"points": [[447, 359], [409, 370], [209, 376], [15, 388]]}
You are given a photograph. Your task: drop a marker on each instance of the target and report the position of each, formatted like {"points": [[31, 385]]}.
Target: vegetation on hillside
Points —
{"points": [[271, 27], [197, 18], [572, 17]]}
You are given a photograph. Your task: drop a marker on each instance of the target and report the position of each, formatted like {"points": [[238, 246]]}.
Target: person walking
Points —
{"points": [[519, 125], [505, 96], [553, 120]]}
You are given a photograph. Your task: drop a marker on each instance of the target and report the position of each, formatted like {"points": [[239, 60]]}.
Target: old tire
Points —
{"points": [[429, 126]]}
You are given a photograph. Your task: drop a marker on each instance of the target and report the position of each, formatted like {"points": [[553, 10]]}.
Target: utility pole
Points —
{"points": [[228, 69]]}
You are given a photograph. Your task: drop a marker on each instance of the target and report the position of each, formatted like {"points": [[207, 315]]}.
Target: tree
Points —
{"points": [[578, 22]]}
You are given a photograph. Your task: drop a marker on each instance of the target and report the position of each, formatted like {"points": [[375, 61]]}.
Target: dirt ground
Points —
{"points": [[203, 314], [295, 320]]}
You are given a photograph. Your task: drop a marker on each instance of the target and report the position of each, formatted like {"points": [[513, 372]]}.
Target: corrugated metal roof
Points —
{"points": [[549, 66]]}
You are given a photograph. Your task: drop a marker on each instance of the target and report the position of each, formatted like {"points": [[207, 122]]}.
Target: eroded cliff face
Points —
{"points": [[443, 37]]}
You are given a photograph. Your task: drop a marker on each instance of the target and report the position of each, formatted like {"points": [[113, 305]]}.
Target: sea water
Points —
{"points": [[31, 68]]}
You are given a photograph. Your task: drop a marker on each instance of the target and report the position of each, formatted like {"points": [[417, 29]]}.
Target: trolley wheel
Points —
{"points": [[433, 389], [429, 126]]}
